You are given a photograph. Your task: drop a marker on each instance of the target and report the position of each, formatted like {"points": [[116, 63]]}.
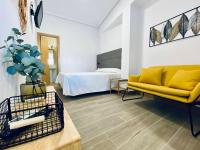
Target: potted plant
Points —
{"points": [[24, 59]]}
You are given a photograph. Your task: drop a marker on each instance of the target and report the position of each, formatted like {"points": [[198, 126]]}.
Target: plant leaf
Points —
{"points": [[34, 48], [40, 66], [17, 59], [35, 71], [12, 45], [22, 73], [2, 47], [8, 54], [20, 41], [26, 61], [10, 37], [28, 79], [28, 70], [18, 47], [19, 67], [7, 59], [22, 54], [33, 59], [27, 46], [11, 70], [35, 77], [35, 54], [16, 31]]}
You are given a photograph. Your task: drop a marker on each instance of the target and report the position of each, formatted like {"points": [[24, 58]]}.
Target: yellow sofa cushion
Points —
{"points": [[151, 76], [185, 80], [133, 78], [160, 89], [170, 71]]}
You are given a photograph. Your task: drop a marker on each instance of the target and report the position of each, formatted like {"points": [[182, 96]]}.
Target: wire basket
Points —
{"points": [[13, 111]]}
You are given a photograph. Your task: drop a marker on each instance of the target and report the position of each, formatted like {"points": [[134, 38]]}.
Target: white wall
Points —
{"points": [[9, 85], [136, 39], [123, 11], [126, 28], [135, 34], [185, 51], [111, 39], [122, 6], [79, 43]]}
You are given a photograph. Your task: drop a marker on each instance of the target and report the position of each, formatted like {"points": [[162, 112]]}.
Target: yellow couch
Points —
{"points": [[183, 96]]}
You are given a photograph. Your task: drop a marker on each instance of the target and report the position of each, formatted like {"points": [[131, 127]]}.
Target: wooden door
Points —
{"points": [[44, 59], [45, 41]]}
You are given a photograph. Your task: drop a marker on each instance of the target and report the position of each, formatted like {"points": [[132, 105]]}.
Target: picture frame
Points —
{"points": [[182, 26]]}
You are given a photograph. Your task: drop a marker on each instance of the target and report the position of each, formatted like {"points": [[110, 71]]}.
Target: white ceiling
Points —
{"points": [[145, 3], [89, 12]]}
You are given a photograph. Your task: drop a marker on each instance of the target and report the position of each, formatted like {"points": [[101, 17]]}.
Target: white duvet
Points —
{"points": [[87, 82]]}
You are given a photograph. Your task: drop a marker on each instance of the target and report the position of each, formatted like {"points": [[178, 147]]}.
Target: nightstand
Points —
{"points": [[118, 85]]}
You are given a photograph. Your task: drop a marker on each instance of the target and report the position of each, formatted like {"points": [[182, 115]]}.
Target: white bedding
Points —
{"points": [[87, 82]]}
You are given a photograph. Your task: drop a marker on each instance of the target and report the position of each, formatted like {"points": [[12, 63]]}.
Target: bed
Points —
{"points": [[109, 65]]}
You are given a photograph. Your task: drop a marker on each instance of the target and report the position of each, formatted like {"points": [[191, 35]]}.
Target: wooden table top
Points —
{"points": [[55, 141]]}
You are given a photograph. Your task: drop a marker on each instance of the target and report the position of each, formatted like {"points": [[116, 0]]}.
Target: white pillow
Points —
{"points": [[109, 70]]}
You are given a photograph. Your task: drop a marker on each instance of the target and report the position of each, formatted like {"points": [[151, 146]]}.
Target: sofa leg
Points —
{"points": [[195, 134], [128, 99]]}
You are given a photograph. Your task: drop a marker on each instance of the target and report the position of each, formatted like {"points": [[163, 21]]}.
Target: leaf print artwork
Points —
{"points": [[194, 23], [167, 30], [183, 26], [175, 31]]}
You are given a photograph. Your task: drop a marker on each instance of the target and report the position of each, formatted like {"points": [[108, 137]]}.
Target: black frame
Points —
{"points": [[189, 105], [39, 10], [196, 103], [169, 20]]}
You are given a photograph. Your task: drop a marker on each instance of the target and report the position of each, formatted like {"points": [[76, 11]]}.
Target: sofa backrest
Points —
{"points": [[169, 71]]}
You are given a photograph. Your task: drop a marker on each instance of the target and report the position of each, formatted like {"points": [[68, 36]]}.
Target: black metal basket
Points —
{"points": [[48, 105]]}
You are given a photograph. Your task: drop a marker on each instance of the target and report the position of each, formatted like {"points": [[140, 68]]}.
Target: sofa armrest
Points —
{"points": [[195, 93], [133, 78]]}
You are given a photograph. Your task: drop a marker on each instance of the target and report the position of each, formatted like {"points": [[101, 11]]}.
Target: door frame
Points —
{"points": [[39, 34]]}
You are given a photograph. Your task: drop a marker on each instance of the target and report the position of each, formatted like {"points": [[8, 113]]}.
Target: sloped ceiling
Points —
{"points": [[145, 3], [89, 12]]}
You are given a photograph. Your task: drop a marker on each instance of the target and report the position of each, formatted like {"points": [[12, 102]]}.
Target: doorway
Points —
{"points": [[49, 47]]}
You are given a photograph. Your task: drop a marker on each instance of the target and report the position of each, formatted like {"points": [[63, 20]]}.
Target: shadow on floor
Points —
{"points": [[171, 110]]}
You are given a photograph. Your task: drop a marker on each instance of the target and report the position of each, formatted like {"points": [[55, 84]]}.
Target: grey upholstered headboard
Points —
{"points": [[110, 59]]}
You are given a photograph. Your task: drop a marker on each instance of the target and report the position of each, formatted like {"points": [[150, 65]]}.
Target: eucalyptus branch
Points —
{"points": [[24, 57], [2, 47], [9, 50]]}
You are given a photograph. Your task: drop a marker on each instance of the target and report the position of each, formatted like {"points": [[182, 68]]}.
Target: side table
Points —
{"points": [[118, 85]]}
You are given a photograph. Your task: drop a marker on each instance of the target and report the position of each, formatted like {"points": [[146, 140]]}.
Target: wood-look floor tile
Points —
{"points": [[99, 127], [95, 141], [153, 137], [105, 145], [183, 140], [122, 134], [106, 123]]}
